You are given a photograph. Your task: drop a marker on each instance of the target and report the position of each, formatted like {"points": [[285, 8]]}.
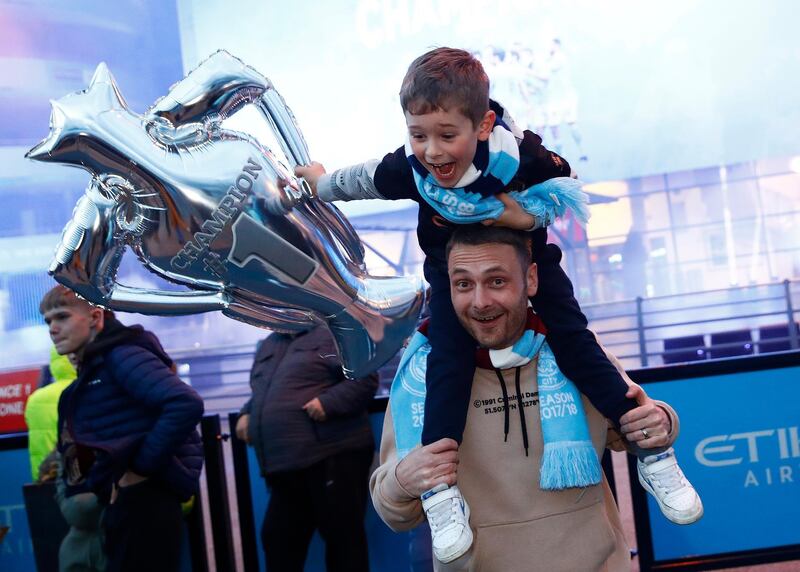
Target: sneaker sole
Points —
{"points": [[460, 549], [668, 513]]}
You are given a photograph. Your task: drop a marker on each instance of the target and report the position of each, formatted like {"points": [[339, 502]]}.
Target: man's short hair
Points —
{"points": [[478, 234], [445, 78], [59, 296]]}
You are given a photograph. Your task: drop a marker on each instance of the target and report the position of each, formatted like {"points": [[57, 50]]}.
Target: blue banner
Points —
{"points": [[16, 549], [740, 447]]}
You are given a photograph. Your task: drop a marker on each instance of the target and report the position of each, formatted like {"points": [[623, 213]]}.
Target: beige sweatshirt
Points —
{"points": [[517, 527]]}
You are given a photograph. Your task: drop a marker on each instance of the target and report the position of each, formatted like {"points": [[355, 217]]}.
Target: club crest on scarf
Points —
{"points": [[549, 378]]}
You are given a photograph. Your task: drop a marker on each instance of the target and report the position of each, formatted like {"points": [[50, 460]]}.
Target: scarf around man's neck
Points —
{"points": [[569, 458], [472, 199]]}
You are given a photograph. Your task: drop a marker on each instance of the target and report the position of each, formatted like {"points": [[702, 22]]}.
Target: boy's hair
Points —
{"points": [[443, 78], [477, 234], [59, 296]]}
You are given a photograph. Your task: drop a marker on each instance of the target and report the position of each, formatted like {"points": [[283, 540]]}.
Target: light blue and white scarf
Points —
{"points": [[569, 458], [496, 162]]}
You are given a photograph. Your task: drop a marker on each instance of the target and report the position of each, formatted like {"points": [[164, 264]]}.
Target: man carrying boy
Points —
{"points": [[465, 161], [519, 522], [126, 431]]}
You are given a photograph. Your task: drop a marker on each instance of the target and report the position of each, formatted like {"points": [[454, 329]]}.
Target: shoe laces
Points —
{"points": [[670, 478], [444, 514]]}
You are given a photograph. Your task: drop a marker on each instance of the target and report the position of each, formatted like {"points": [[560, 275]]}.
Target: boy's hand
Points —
{"points": [[311, 173], [513, 216]]}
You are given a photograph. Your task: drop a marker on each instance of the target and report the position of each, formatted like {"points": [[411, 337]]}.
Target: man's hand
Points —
{"points": [[424, 468], [315, 410], [648, 416], [242, 428], [311, 173], [128, 479], [513, 216], [131, 478]]}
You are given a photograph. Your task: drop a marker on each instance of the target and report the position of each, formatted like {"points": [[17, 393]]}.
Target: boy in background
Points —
{"points": [[126, 432]]}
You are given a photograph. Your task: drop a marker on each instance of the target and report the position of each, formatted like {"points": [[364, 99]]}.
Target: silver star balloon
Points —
{"points": [[218, 211]]}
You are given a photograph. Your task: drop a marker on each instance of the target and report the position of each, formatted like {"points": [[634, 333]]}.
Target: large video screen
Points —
{"points": [[621, 89]]}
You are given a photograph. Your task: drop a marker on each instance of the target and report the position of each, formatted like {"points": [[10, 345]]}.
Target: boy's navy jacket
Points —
{"points": [[128, 410], [394, 180]]}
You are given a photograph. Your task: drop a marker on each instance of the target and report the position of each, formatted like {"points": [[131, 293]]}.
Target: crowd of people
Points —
{"points": [[498, 486]]}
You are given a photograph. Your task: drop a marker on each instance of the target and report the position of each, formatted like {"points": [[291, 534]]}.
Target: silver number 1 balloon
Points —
{"points": [[215, 210]]}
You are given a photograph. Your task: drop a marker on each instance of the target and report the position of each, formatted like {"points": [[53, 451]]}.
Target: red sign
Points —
{"points": [[15, 388]]}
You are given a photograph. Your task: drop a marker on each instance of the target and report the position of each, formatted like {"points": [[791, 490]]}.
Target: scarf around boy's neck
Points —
{"points": [[495, 164], [568, 459]]}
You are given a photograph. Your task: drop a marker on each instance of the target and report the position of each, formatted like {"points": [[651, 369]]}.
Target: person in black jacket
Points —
{"points": [[126, 431], [311, 433]]}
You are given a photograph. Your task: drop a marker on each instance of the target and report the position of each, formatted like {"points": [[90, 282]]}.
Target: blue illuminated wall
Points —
{"points": [[47, 50], [16, 549]]}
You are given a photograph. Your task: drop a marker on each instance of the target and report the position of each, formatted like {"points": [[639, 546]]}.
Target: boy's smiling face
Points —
{"points": [[444, 141]]}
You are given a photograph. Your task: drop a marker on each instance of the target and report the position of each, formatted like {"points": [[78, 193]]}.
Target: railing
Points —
{"points": [[647, 331], [640, 332]]}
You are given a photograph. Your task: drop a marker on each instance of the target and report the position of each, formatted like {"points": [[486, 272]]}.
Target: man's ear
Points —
{"points": [[486, 125], [96, 319], [532, 276]]}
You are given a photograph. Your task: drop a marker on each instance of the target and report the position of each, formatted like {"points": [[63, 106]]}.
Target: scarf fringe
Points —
{"points": [[551, 199], [569, 464]]}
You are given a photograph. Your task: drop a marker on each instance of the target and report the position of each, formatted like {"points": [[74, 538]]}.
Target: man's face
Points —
{"points": [[72, 327], [445, 142], [490, 292]]}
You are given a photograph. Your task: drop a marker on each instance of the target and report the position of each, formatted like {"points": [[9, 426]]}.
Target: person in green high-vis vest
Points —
{"points": [[41, 411]]}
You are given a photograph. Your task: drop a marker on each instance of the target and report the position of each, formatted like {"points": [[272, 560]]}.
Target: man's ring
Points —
{"points": [[646, 435]]}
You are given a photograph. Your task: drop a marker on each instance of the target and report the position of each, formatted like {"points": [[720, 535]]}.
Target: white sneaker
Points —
{"points": [[661, 476], [448, 517]]}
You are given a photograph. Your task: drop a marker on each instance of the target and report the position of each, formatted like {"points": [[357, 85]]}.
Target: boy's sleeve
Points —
{"points": [[388, 179], [615, 441], [537, 163]]}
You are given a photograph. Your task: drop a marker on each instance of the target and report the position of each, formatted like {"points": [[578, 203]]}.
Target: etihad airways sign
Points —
{"points": [[757, 451]]}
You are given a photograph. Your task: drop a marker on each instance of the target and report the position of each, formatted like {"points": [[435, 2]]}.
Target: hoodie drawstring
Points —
{"points": [[523, 424], [505, 403], [521, 412]]}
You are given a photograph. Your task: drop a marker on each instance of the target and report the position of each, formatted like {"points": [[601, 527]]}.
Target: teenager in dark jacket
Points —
{"points": [[127, 431], [311, 433]]}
